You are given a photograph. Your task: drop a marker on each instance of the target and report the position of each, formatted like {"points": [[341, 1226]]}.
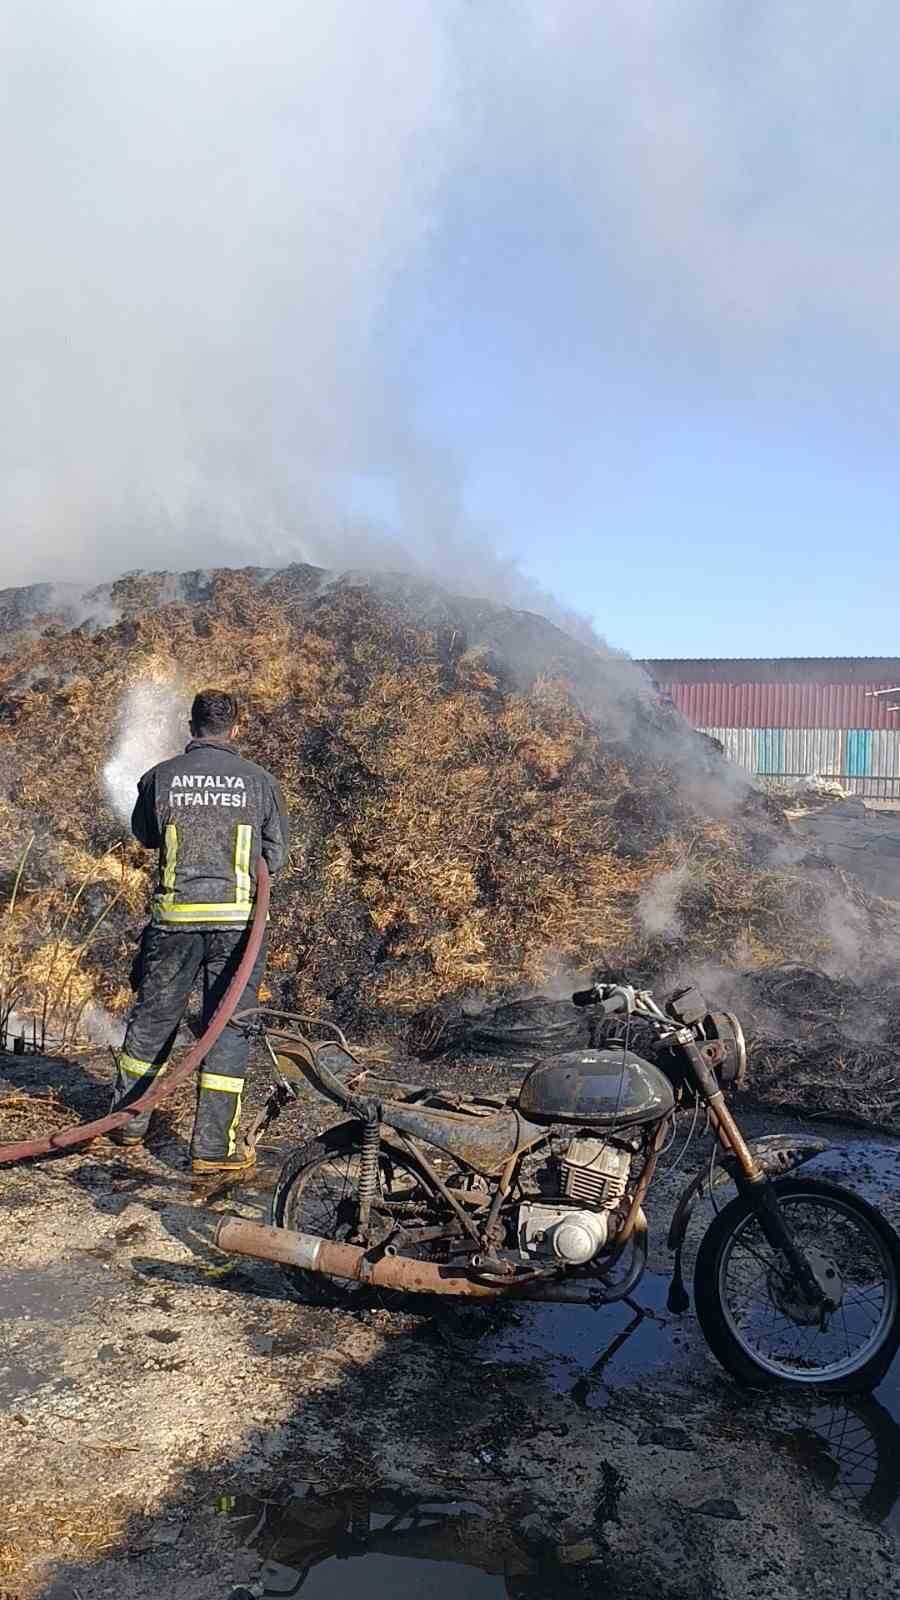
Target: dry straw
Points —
{"points": [[458, 830]]}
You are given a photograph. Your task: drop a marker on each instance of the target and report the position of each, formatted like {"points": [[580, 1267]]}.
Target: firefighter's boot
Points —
{"points": [[243, 1160]]}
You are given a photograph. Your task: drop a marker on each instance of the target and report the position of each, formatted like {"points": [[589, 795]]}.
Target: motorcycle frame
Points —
{"points": [[343, 1092], [750, 1174]]}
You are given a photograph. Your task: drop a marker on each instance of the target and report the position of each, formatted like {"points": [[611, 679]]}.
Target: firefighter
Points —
{"points": [[210, 814]]}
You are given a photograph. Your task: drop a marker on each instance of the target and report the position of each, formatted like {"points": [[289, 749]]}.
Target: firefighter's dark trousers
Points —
{"points": [[168, 966]]}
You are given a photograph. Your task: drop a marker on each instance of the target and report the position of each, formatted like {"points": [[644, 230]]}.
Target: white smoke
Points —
{"points": [[95, 1023], [15, 1027], [658, 902], [849, 935], [206, 218], [78, 607], [230, 231], [152, 725], [98, 1025]]}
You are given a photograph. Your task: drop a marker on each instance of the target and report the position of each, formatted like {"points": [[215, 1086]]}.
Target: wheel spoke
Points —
{"points": [[766, 1311], [323, 1199]]}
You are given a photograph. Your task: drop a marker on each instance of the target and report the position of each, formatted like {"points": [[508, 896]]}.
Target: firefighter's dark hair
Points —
{"points": [[213, 712]]}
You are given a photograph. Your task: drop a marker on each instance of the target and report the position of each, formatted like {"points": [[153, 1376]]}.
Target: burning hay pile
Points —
{"points": [[482, 806]]}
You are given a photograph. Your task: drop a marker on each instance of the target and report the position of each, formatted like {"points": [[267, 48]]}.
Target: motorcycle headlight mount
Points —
{"points": [[725, 1029]]}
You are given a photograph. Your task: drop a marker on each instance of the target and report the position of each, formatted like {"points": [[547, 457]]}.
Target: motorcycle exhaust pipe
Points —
{"points": [[237, 1237]]}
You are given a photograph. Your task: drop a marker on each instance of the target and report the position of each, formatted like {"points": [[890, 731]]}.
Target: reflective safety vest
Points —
{"points": [[211, 815], [166, 909]]}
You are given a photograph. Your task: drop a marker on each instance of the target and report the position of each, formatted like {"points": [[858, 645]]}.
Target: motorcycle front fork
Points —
{"points": [[752, 1180]]}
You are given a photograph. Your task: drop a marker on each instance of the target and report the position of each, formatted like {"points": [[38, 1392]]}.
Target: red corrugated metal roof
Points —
{"points": [[784, 705]]}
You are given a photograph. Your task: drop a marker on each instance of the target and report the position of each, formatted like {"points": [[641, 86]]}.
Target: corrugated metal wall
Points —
{"points": [[826, 717], [769, 745], [776, 669], [809, 751], [865, 762], [738, 744], [785, 705], [884, 755], [857, 745]]}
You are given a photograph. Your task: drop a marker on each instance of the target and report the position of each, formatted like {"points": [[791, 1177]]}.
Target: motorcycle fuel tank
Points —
{"points": [[596, 1089]]}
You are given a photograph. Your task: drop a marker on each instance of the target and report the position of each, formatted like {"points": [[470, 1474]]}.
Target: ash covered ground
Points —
{"points": [[176, 1423]]}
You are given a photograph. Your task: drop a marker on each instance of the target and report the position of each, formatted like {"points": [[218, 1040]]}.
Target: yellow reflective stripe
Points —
{"points": [[170, 862], [228, 911], [235, 1086], [133, 1068], [217, 1080], [208, 905], [233, 1124], [243, 884], [202, 919]]}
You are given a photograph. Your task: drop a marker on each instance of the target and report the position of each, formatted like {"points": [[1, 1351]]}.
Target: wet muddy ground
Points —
{"points": [[173, 1424]]}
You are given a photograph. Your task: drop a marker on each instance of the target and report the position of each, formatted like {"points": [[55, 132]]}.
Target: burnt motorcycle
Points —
{"points": [[539, 1195]]}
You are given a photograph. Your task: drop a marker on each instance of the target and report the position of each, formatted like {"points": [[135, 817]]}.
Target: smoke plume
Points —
{"points": [[208, 220], [101, 1028], [658, 911], [152, 724], [229, 233]]}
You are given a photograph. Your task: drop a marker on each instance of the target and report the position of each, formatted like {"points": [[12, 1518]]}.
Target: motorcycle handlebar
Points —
{"points": [[585, 997], [607, 1008]]}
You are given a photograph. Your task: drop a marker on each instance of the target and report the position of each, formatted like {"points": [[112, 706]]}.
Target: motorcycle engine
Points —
{"points": [[593, 1173]]}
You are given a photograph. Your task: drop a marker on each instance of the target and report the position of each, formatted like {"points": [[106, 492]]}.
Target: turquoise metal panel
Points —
{"points": [[769, 750], [858, 751]]}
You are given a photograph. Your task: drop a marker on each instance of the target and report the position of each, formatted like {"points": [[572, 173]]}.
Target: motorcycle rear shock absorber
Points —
{"points": [[368, 1171]]}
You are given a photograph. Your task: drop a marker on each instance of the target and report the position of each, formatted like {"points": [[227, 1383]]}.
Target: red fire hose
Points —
{"points": [[84, 1132]]}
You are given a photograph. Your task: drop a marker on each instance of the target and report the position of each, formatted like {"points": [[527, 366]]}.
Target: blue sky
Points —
{"points": [[684, 516], [703, 468], [608, 291]]}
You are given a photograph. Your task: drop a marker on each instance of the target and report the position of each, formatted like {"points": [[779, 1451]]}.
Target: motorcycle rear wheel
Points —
{"points": [[755, 1322], [317, 1192]]}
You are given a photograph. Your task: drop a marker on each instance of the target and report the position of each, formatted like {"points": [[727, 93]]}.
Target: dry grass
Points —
{"points": [[112, 867], [46, 980], [22, 1115], [37, 1536]]}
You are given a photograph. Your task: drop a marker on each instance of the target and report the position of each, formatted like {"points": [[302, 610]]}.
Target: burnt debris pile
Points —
{"points": [[824, 1045], [484, 807]]}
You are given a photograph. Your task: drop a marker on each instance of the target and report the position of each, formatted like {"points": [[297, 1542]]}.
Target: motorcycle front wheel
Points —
{"points": [[757, 1322]]}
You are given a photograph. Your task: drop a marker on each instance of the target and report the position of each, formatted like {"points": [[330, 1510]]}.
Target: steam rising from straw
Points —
{"points": [[152, 724]]}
